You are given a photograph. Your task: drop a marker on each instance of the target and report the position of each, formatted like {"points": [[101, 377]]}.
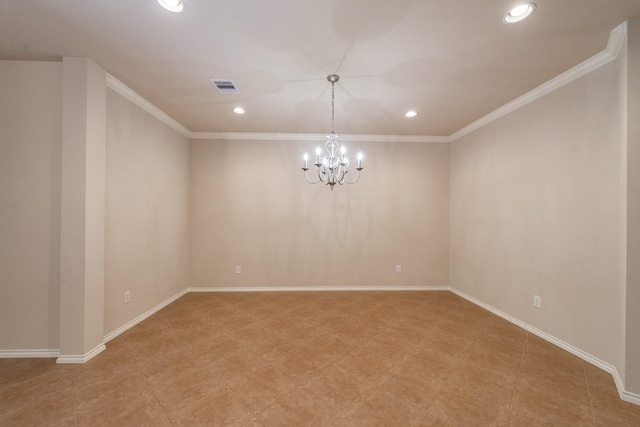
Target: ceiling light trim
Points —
{"points": [[178, 7], [525, 10]]}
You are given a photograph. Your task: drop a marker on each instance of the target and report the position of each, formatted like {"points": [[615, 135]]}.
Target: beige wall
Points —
{"points": [[146, 217], [633, 211], [30, 150], [82, 209], [250, 206], [146, 214], [534, 203], [537, 208]]}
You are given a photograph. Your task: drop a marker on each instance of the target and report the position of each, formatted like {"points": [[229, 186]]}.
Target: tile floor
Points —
{"points": [[326, 359]]}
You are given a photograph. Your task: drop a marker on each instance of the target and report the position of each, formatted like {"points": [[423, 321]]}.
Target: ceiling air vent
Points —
{"points": [[225, 86]]}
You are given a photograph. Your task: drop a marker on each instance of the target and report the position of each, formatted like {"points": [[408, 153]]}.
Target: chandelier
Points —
{"points": [[334, 166]]}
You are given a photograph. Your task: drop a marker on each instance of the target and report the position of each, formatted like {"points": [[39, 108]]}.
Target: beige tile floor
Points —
{"points": [[326, 359]]}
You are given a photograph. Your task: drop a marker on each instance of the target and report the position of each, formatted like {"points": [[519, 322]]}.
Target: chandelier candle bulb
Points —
{"points": [[359, 160], [306, 157]]}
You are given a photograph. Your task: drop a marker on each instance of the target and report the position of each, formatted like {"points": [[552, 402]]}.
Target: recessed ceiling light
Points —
{"points": [[172, 5], [411, 113], [239, 110], [519, 13]]}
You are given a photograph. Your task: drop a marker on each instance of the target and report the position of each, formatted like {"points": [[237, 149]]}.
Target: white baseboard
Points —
{"points": [[315, 288], [111, 335], [81, 358], [624, 395], [29, 354]]}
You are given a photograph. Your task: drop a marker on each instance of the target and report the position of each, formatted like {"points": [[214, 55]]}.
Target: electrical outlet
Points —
{"points": [[398, 269], [238, 269], [127, 297], [537, 301]]}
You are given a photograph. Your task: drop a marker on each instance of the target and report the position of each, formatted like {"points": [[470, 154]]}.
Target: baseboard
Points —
{"points": [[143, 316], [81, 358], [29, 354], [134, 322], [49, 353], [624, 395], [315, 288]]}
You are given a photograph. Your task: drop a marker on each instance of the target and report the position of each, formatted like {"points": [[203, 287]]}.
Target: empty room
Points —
{"points": [[320, 213]]}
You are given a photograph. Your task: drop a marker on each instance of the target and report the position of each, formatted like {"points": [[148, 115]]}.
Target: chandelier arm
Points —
{"points": [[324, 176], [356, 180], [341, 173], [307, 178], [328, 179]]}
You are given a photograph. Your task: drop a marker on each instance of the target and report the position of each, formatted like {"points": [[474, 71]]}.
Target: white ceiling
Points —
{"points": [[453, 61]]}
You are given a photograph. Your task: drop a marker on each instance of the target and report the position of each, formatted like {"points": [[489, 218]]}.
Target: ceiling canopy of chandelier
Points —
{"points": [[333, 167]]}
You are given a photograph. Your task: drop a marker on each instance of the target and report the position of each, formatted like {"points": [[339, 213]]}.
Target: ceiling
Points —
{"points": [[453, 61]]}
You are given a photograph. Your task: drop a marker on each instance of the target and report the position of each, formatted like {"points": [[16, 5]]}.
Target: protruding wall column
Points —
{"points": [[83, 211], [632, 332]]}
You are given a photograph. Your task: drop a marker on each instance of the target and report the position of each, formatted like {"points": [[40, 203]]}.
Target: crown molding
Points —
{"points": [[138, 100], [396, 138], [254, 136], [611, 52], [616, 40]]}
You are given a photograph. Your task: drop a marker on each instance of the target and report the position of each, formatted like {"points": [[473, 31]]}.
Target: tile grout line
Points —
{"points": [[586, 380], [362, 345], [444, 383], [515, 386], [171, 326], [19, 382], [155, 395], [73, 395], [344, 411], [225, 383]]}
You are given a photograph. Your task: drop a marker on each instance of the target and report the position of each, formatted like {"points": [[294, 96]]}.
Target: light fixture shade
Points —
{"points": [[175, 6], [519, 13]]}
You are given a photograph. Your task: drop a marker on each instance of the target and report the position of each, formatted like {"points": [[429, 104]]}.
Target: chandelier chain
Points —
{"points": [[332, 106]]}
